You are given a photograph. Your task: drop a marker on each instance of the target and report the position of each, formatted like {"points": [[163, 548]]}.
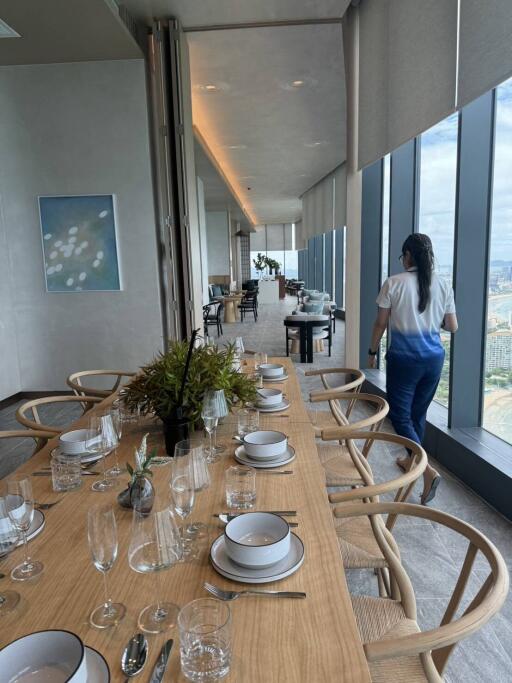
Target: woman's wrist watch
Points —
{"points": [[371, 353]]}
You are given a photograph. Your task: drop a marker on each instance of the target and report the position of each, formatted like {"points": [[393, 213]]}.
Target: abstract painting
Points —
{"points": [[79, 243]]}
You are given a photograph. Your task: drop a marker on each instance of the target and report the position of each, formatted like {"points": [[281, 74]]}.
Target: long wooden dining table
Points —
{"points": [[311, 640]]}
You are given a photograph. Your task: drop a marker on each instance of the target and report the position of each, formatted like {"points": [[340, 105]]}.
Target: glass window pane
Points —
{"points": [[438, 177], [497, 416], [386, 188]]}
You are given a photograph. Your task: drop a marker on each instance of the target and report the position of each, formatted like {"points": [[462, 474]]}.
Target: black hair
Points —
{"points": [[419, 247]]}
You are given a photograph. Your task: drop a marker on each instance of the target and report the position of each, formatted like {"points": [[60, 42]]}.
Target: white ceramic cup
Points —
{"points": [[269, 397], [257, 539], [45, 656], [264, 445], [271, 370]]}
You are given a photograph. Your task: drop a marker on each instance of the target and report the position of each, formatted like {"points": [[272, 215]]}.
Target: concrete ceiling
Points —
{"points": [[64, 31], [217, 195], [215, 12]]}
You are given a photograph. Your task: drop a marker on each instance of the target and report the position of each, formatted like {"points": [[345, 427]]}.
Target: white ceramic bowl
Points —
{"points": [[56, 656], [73, 442], [269, 397], [257, 539], [271, 369], [265, 445]]}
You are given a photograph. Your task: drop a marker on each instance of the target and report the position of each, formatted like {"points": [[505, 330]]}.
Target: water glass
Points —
{"points": [[240, 487], [248, 421], [205, 639], [20, 508], [8, 541], [259, 359], [102, 438], [66, 471]]}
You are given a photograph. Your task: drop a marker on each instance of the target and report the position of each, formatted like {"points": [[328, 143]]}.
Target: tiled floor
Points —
{"points": [[432, 555]]}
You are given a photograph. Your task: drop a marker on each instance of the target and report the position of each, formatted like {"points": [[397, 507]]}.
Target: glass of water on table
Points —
{"points": [[240, 487]]}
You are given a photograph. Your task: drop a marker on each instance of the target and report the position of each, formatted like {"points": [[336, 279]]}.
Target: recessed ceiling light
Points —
{"points": [[297, 84], [7, 32], [210, 86], [236, 146], [315, 143]]}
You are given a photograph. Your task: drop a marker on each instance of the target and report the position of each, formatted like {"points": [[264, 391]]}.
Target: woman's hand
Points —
{"points": [[372, 361]]}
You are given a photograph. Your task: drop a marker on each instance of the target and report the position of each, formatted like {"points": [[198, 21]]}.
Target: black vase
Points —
{"points": [[175, 430], [140, 495]]}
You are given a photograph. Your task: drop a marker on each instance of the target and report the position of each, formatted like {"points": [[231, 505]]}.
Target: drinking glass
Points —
{"points": [[239, 345], [102, 535], [215, 404], [154, 547], [8, 541], [205, 639], [117, 420], [20, 507], [259, 359], [66, 471], [101, 438], [210, 422], [240, 487], [248, 420], [183, 491]]}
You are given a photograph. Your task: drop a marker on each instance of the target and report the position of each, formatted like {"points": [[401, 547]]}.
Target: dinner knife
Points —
{"points": [[281, 513], [161, 663]]}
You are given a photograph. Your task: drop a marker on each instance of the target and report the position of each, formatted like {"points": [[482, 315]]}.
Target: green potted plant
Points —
{"points": [[158, 388], [140, 493], [260, 263], [273, 265]]}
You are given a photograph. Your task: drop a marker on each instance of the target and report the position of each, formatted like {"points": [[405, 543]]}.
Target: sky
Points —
{"points": [[438, 182]]}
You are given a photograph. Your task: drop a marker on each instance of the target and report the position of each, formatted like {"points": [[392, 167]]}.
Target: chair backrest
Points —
{"points": [[435, 645], [31, 407], [377, 406], [40, 437], [357, 379], [74, 381]]}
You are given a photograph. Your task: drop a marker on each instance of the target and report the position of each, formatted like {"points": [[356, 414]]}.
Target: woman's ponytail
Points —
{"points": [[420, 248]]}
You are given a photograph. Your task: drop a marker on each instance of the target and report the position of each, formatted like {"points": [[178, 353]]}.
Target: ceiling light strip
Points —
{"points": [[263, 24]]}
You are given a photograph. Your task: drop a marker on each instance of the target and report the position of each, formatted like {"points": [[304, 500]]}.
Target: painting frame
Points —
{"points": [[66, 271]]}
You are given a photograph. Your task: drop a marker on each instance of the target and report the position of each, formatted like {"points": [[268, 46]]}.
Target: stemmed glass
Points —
{"points": [[210, 421], [8, 541], [20, 508], [259, 359], [214, 406], [154, 547], [101, 438], [183, 490], [102, 535], [117, 419]]}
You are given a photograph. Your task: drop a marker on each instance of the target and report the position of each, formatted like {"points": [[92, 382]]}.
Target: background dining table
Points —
{"points": [[311, 640]]}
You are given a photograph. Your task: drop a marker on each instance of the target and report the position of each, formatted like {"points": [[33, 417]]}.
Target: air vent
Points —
{"points": [[7, 32]]}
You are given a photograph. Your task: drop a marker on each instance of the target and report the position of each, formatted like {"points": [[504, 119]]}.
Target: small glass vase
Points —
{"points": [[140, 495]]}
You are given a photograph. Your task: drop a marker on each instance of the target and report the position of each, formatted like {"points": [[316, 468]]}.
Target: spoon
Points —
{"points": [[134, 656]]}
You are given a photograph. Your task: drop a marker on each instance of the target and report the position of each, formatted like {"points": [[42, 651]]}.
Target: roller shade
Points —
{"points": [[485, 48], [407, 71], [272, 237], [340, 196], [288, 236], [318, 208], [300, 241], [258, 240]]}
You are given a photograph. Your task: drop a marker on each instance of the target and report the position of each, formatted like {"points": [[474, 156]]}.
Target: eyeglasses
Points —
{"points": [[401, 258]]}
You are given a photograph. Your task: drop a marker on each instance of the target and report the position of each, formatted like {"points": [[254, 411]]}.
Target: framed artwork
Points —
{"points": [[79, 243]]}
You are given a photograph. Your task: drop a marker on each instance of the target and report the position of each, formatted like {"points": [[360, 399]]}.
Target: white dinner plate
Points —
{"points": [[274, 409], [35, 528], [229, 569], [282, 459], [84, 457], [97, 667], [281, 378]]}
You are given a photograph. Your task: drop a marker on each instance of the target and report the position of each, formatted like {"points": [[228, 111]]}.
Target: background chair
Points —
{"points": [[34, 422], [40, 436], [74, 381], [249, 304], [395, 647], [306, 331], [212, 316]]}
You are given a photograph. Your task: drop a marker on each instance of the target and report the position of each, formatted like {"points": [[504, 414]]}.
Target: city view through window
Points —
{"points": [[438, 178], [497, 417]]}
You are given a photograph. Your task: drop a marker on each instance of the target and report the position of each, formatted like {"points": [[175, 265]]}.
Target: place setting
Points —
{"points": [[264, 450]]}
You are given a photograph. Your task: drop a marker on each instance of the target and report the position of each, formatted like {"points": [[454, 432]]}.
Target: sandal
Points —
{"points": [[430, 493]]}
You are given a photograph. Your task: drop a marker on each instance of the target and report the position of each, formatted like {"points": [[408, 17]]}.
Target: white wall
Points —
{"points": [[218, 238], [74, 129], [203, 242]]}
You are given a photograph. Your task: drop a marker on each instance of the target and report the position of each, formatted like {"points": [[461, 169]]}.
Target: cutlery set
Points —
{"points": [[233, 595], [135, 656]]}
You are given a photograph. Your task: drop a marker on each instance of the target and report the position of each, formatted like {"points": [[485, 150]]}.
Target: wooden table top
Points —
{"points": [[311, 640]]}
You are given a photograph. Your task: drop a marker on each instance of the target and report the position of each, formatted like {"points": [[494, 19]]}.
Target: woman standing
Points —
{"points": [[417, 304]]}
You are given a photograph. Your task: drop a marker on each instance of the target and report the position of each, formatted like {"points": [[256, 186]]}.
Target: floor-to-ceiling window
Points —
{"points": [[438, 177], [497, 416], [386, 189]]}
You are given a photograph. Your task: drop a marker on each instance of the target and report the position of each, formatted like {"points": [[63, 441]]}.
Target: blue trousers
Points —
{"points": [[410, 386]]}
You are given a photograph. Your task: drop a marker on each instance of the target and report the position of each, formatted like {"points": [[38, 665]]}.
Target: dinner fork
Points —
{"points": [[233, 595]]}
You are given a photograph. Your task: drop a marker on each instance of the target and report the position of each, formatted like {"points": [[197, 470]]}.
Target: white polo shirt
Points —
{"points": [[415, 334]]}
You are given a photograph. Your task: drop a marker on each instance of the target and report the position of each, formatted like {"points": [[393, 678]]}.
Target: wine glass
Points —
{"points": [[215, 405], [259, 359], [102, 535], [20, 508], [154, 547], [101, 438], [239, 346], [210, 421], [117, 419], [8, 541], [183, 491]]}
